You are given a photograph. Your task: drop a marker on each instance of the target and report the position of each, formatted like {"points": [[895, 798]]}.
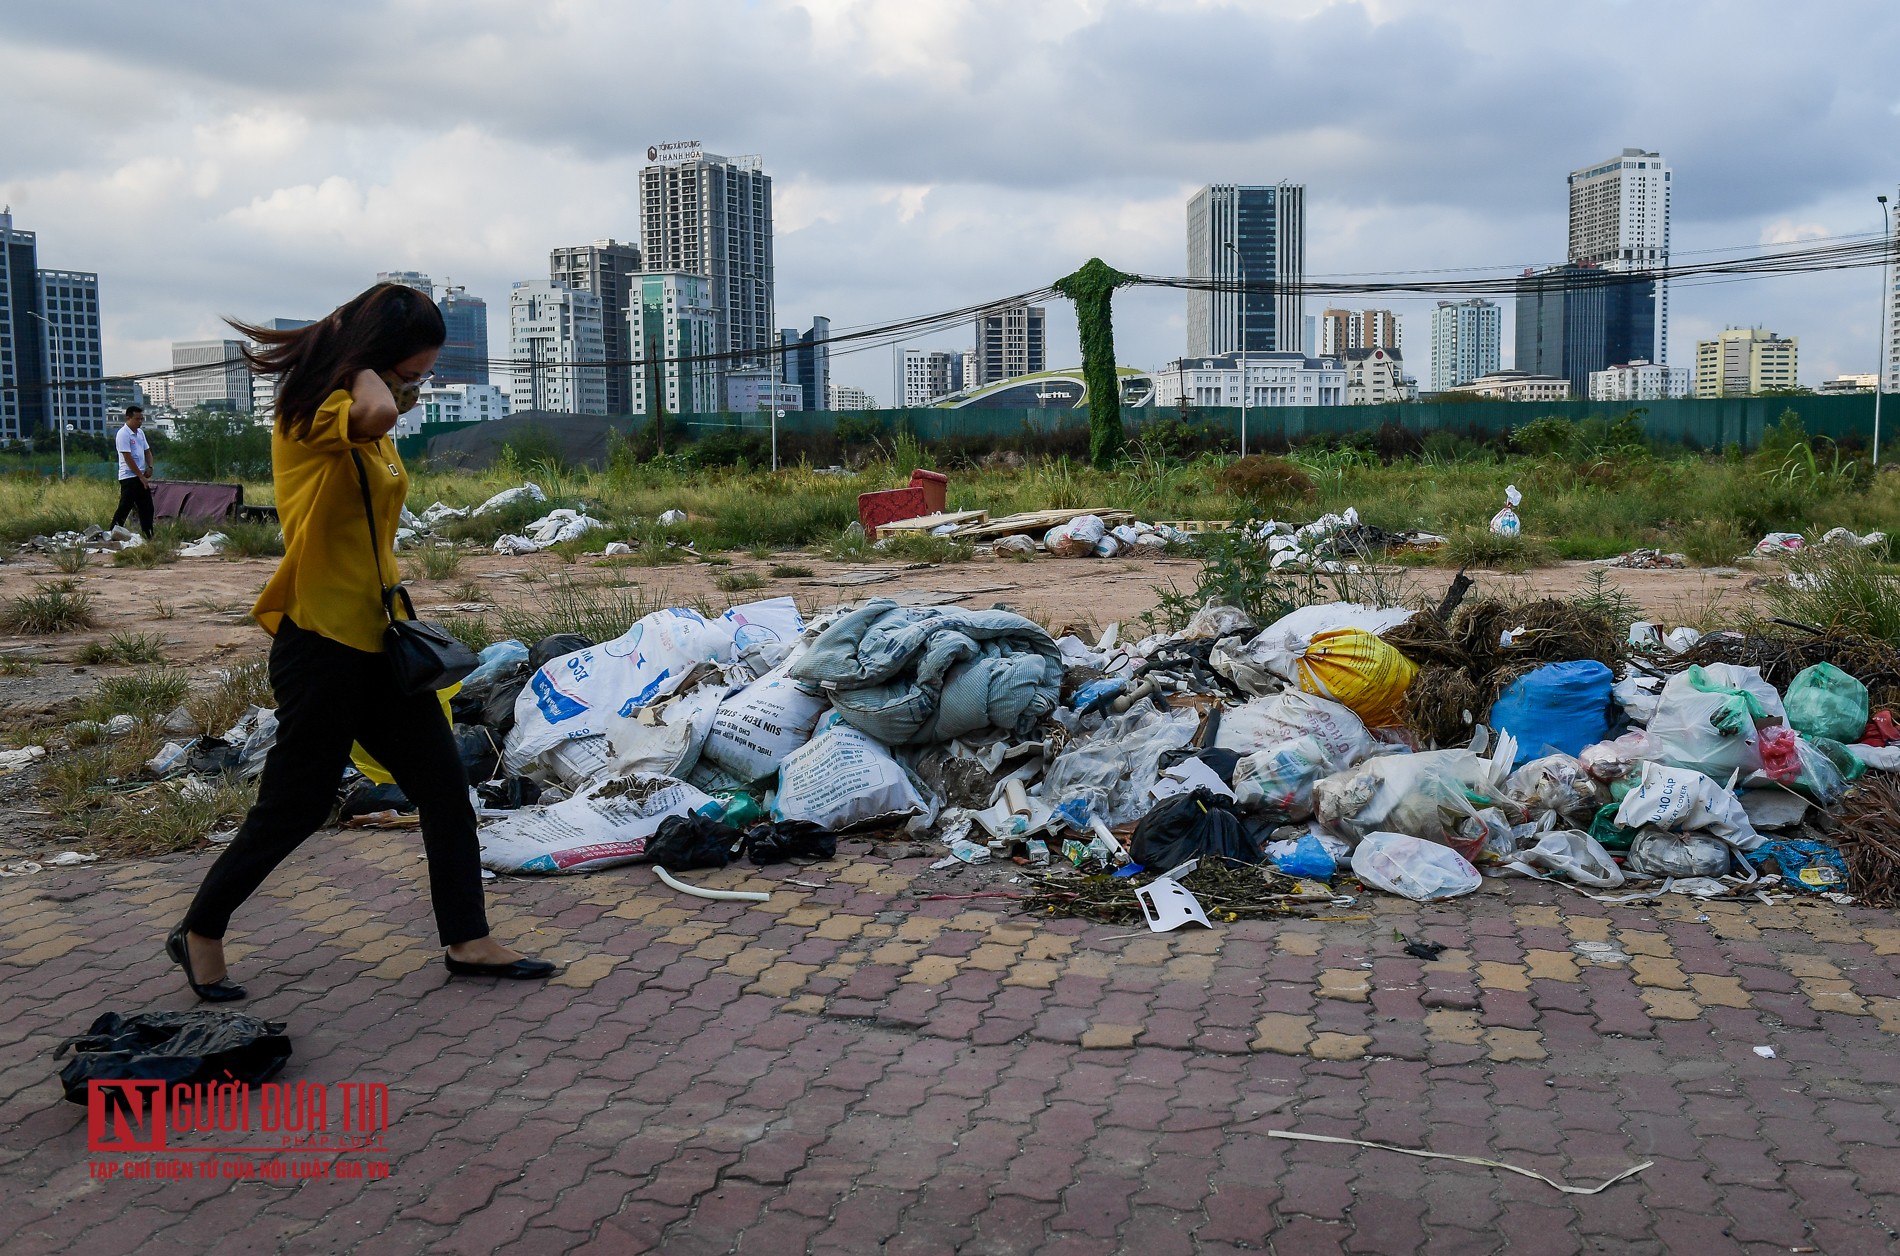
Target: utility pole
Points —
{"points": [[1886, 300], [59, 411], [1240, 337], [656, 404]]}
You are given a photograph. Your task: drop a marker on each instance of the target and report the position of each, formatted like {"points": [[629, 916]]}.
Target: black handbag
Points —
{"points": [[423, 656]]}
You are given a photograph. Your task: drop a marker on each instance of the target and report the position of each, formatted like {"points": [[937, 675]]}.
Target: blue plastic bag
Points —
{"points": [[1309, 859], [1561, 707]]}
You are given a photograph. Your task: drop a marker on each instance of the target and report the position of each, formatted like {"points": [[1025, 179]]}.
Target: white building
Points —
{"points": [[672, 330], [845, 397], [1374, 376], [1466, 336], [930, 374], [754, 389], [1850, 383], [708, 215], [1619, 220], [1520, 386], [1272, 379], [409, 279], [552, 331], [454, 403], [1639, 381]]}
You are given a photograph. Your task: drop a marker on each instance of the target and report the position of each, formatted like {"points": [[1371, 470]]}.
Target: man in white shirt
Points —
{"points": [[135, 471]]}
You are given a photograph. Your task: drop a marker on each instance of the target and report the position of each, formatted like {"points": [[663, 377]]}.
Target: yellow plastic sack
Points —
{"points": [[1358, 670], [368, 766]]}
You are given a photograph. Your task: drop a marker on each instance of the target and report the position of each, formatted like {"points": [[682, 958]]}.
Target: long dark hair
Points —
{"points": [[372, 331]]}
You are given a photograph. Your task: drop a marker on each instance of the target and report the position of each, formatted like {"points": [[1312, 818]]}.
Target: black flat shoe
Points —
{"points": [[518, 970], [223, 990]]}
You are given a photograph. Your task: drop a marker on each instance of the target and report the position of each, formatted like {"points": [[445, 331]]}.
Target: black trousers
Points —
{"points": [[133, 495], [328, 695]]}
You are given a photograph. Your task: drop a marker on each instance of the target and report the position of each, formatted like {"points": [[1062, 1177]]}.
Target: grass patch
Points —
{"points": [[1841, 590], [1483, 548], [53, 606], [70, 559], [143, 695], [790, 571], [155, 553], [852, 546], [435, 562], [471, 630], [251, 539], [565, 605], [123, 647], [739, 581], [237, 689], [14, 665]]}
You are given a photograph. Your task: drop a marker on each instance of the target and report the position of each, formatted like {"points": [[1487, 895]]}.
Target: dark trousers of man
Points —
{"points": [[328, 695], [133, 495]]}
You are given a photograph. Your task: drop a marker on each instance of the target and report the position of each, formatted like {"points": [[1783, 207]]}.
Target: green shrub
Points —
{"points": [[54, 606]]}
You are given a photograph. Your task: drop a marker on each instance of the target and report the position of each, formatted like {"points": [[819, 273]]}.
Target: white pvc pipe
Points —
{"points": [[734, 896]]}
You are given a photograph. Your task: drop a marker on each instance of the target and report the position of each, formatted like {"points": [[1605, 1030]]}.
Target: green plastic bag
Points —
{"points": [[1607, 832], [1824, 701], [1744, 705]]}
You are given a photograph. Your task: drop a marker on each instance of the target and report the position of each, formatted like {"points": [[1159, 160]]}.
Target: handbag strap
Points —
{"points": [[375, 550]]}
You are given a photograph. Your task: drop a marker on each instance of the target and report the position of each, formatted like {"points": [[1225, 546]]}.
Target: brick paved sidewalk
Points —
{"points": [[855, 1069]]}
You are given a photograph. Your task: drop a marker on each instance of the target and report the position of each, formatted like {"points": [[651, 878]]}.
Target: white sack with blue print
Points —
{"points": [[587, 693]]}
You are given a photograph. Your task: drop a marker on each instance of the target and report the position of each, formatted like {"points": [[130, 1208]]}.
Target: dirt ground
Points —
{"points": [[201, 606]]}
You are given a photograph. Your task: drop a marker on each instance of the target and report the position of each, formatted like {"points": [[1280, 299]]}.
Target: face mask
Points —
{"points": [[406, 394]]}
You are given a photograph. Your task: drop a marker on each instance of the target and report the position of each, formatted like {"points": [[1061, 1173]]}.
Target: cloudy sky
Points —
{"points": [[266, 160]]}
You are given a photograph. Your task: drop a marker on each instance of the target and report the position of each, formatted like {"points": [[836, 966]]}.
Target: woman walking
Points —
{"points": [[342, 382]]}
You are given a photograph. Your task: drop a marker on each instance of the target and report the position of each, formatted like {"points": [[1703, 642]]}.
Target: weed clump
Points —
{"points": [[740, 581], [1481, 547], [1259, 479], [123, 647], [53, 606], [143, 695], [238, 689]]}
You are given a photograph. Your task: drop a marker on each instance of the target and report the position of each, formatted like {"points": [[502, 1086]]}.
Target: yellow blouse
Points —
{"points": [[326, 582]]}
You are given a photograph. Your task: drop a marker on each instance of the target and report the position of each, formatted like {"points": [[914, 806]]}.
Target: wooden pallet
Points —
{"points": [[927, 523], [1036, 521]]}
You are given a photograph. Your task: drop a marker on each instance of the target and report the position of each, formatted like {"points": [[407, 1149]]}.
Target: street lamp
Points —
{"points": [[1886, 298], [1240, 337], [59, 410]]}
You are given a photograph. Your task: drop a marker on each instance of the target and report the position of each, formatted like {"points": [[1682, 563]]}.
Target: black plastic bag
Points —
{"points": [[365, 797], [1200, 825], [480, 751], [1220, 762], [788, 839], [694, 841], [516, 791], [547, 649], [498, 713], [472, 704], [213, 756], [180, 1048]]}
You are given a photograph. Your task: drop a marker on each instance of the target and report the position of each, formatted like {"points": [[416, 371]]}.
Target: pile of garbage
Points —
{"points": [[1331, 541], [94, 540]]}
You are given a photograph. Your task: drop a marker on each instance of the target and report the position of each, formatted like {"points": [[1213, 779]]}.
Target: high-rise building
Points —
{"points": [[1744, 361], [1374, 376], [1575, 319], [409, 279], [1340, 330], [1890, 364], [23, 408], [70, 350], [553, 333], [845, 397], [672, 324], [1010, 341], [1466, 338], [464, 356], [805, 361], [930, 374], [707, 215], [212, 374], [1619, 220], [605, 268], [1252, 236], [754, 389]]}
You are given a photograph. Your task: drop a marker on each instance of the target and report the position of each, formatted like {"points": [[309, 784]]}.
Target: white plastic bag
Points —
{"points": [[1684, 799], [1279, 779], [580, 694], [1655, 853], [1614, 760], [509, 496], [756, 728], [606, 825], [1505, 522], [1285, 716], [1426, 795], [1568, 853], [1077, 538], [1638, 693], [1113, 770], [1712, 733], [1399, 863], [841, 778], [1556, 784]]}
